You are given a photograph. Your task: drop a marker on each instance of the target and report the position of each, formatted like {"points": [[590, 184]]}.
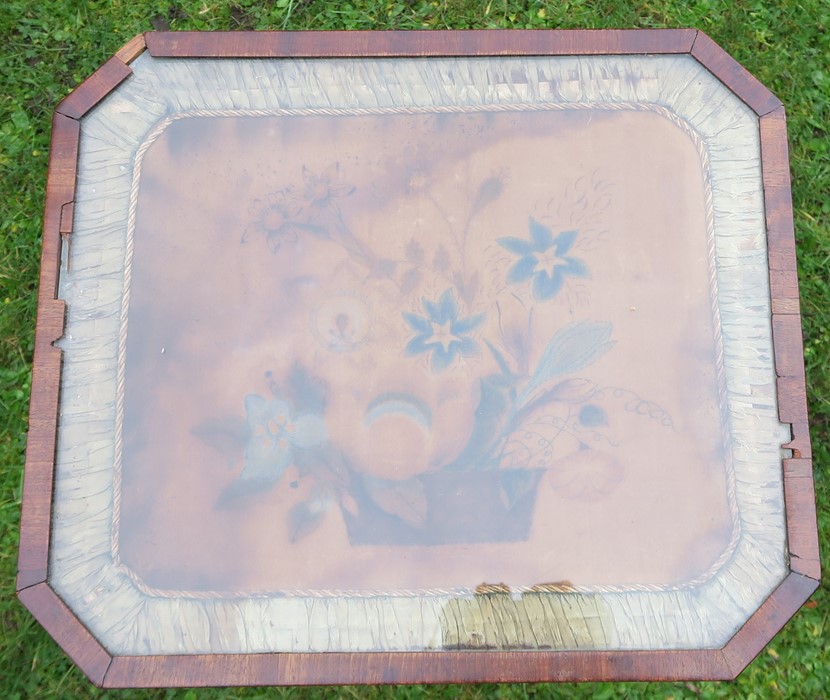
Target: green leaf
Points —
{"points": [[226, 435], [20, 119]]}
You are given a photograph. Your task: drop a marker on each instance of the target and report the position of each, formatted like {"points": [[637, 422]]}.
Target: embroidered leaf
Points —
{"points": [[441, 261], [567, 391], [515, 339], [303, 519], [404, 499], [308, 393], [490, 419], [225, 435], [410, 280], [467, 287], [307, 460], [498, 357], [573, 348], [235, 493], [593, 416], [414, 252], [488, 191], [573, 390], [383, 267]]}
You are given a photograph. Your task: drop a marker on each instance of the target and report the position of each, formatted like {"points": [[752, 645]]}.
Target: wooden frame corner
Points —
{"points": [[95, 88], [59, 621], [33, 553], [132, 49], [732, 74], [784, 602]]}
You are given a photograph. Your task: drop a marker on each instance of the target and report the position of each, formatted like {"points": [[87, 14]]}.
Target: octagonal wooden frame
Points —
{"points": [[727, 662]]}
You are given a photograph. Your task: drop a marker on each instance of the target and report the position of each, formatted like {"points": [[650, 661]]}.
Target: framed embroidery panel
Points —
{"points": [[417, 357]]}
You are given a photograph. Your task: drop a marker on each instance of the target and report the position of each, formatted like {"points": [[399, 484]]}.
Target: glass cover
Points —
{"points": [[417, 354]]}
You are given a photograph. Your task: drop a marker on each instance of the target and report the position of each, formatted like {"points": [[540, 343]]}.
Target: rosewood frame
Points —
{"points": [[415, 667]]}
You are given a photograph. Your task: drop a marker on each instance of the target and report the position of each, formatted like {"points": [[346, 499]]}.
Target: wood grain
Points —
{"points": [[792, 387], [65, 629], [784, 291], [497, 42], [132, 49], [418, 667], [792, 409], [43, 408], [786, 321], [67, 218], [784, 602], [732, 74], [775, 166], [800, 440], [802, 529], [789, 346], [94, 89]]}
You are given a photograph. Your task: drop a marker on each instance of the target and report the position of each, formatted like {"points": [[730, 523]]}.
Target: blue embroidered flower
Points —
{"points": [[274, 434], [442, 333], [544, 259]]}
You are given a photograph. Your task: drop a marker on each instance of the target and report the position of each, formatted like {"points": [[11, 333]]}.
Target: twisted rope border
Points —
{"points": [[483, 589]]}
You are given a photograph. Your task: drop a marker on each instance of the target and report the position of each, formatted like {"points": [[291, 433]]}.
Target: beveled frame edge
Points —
{"points": [[107, 671], [788, 346], [132, 49], [33, 551], [421, 43], [94, 89], [733, 75], [475, 42], [406, 668], [470, 666], [32, 588], [36, 503], [762, 626], [69, 633], [409, 667]]}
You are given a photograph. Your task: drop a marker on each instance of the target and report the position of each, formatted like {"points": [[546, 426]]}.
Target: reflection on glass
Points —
{"points": [[475, 356], [409, 352]]}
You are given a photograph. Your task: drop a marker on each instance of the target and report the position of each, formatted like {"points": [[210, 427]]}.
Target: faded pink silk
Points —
{"points": [[423, 352]]}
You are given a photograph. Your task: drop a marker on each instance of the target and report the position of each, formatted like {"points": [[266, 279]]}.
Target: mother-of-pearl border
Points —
{"points": [[128, 618]]}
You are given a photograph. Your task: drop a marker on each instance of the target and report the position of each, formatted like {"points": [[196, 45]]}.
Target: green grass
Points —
{"points": [[50, 46]]}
